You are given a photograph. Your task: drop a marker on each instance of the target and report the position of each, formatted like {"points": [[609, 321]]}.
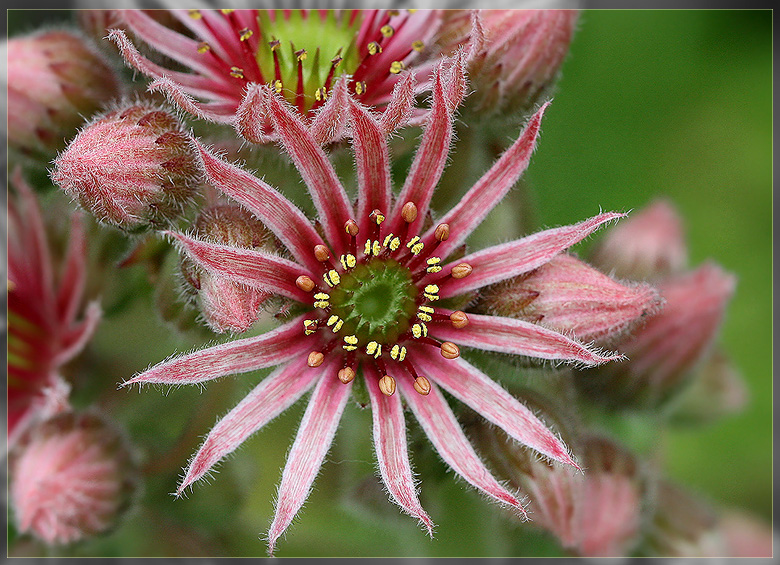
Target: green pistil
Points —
{"points": [[376, 301], [322, 39]]}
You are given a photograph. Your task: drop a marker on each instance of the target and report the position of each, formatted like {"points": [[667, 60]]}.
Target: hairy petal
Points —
{"points": [[74, 273], [277, 392], [450, 442], [257, 269], [391, 449], [277, 213], [401, 105], [214, 112], [252, 121], [307, 454], [508, 260], [233, 357], [472, 387], [510, 335], [328, 125], [78, 335]]}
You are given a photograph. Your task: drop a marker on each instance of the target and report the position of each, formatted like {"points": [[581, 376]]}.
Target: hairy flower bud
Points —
{"points": [[54, 79], [514, 55], [71, 477], [130, 167], [662, 354], [227, 306], [650, 245], [569, 295]]}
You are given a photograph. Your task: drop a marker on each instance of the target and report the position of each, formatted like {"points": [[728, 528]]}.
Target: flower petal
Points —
{"points": [[328, 124], [490, 189], [472, 387], [508, 260], [307, 454], [391, 449], [252, 121], [326, 191], [509, 335], [253, 268], [74, 273], [276, 212], [450, 442], [77, 335], [401, 104], [275, 393], [216, 112], [373, 164], [233, 357]]}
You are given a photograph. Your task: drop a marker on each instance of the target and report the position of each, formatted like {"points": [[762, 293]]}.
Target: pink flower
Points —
{"points": [[301, 52], [375, 276], [70, 478], [44, 329]]}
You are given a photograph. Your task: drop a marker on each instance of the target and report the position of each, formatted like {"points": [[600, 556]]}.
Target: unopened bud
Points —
{"points": [[54, 80], [570, 296], [130, 167], [227, 306], [649, 245], [71, 478]]}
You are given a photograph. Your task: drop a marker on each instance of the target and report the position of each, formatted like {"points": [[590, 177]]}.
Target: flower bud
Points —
{"points": [[71, 478], [662, 354], [570, 296], [226, 306], [130, 167], [514, 55], [55, 78], [650, 245]]}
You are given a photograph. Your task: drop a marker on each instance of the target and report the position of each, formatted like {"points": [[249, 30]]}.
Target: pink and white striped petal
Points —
{"points": [[508, 260], [401, 105], [75, 338], [74, 273], [307, 454], [252, 121], [275, 393], [312, 162], [490, 189], [372, 159], [450, 442], [256, 269], [330, 121], [237, 356], [475, 389], [216, 112], [391, 448], [509, 335], [277, 213]]}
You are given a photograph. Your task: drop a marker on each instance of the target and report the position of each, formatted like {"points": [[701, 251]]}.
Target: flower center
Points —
{"points": [[379, 301]]}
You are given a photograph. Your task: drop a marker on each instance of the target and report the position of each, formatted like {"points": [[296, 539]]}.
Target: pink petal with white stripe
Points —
{"points": [[74, 273], [326, 191], [401, 105], [237, 356], [277, 213], [330, 121], [510, 335], [391, 449], [213, 112], [475, 389], [75, 338], [490, 189], [307, 454], [373, 163], [252, 121], [450, 442], [257, 269], [275, 393], [508, 260]]}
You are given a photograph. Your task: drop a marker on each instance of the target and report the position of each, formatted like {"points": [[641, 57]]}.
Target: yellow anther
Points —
{"points": [[398, 352], [374, 48], [321, 94], [412, 10], [337, 327], [332, 320], [379, 218], [332, 277], [393, 13], [396, 67], [418, 45], [431, 292], [376, 248], [424, 313], [374, 348], [419, 330], [417, 248], [426, 309], [348, 261], [350, 343], [203, 47], [309, 326], [360, 87], [433, 265], [301, 54], [274, 44], [236, 72], [367, 249], [227, 11], [336, 322], [244, 34], [278, 86], [321, 300], [387, 30], [413, 241], [195, 14]]}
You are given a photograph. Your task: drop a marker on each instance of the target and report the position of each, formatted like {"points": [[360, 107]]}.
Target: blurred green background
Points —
{"points": [[651, 103]]}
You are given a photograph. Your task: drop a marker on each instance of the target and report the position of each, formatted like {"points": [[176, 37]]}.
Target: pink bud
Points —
{"points": [[662, 354], [513, 55], [55, 78], [70, 479], [227, 306], [570, 296], [650, 245], [130, 167]]}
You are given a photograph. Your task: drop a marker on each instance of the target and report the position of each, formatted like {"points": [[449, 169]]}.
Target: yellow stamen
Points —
{"points": [[301, 54], [360, 88], [195, 14], [374, 48], [396, 67], [245, 34], [398, 352], [419, 330], [348, 261], [387, 30], [278, 86], [350, 343], [374, 348], [351, 227], [431, 292], [433, 265], [309, 326], [418, 45], [332, 277], [236, 72], [203, 47], [321, 300]]}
